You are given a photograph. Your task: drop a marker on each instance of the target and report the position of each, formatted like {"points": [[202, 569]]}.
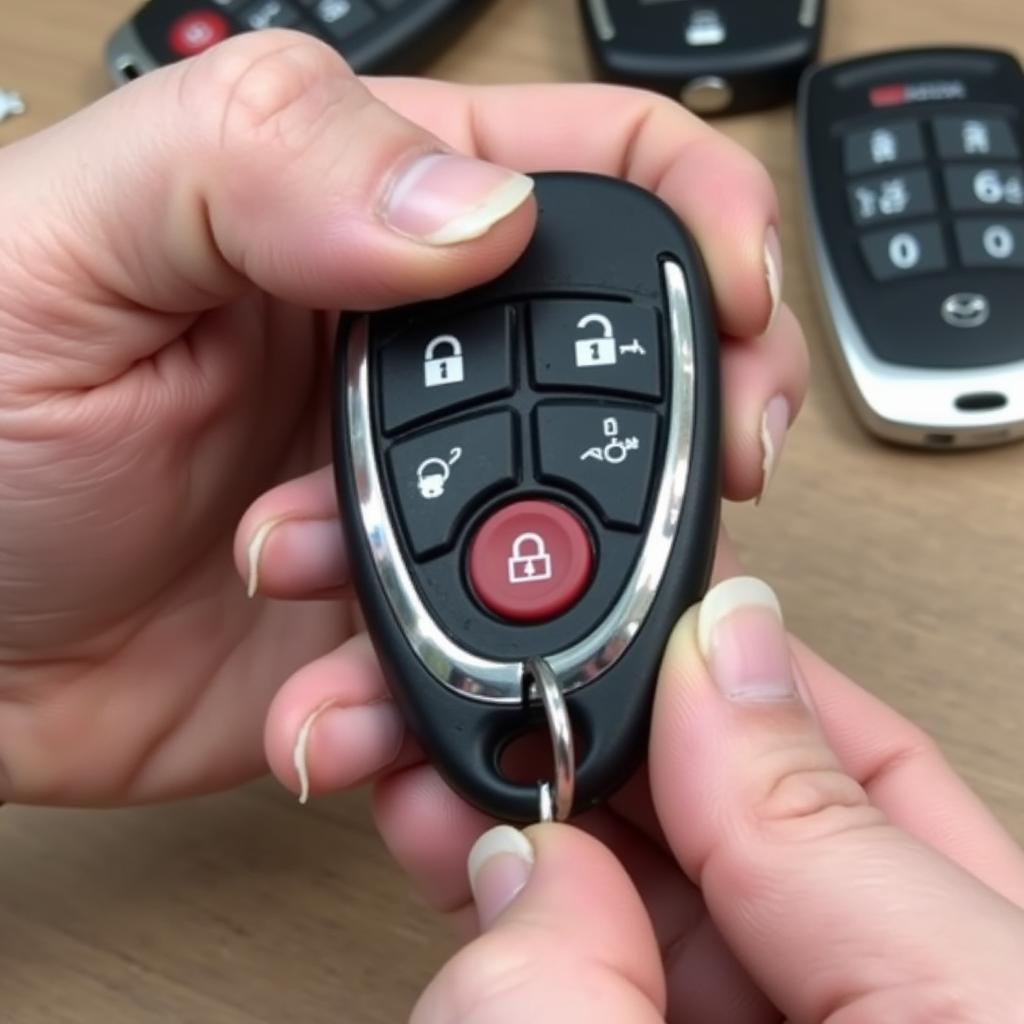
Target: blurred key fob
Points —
{"points": [[374, 36], [716, 56]]}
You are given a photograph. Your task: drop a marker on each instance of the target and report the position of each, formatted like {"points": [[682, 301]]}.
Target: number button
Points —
{"points": [[985, 188], [890, 145], [342, 18], [891, 197], [270, 14], [960, 137], [985, 243], [435, 369], [913, 250], [596, 346]]}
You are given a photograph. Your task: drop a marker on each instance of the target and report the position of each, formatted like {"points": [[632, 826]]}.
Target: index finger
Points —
{"points": [[721, 192]]}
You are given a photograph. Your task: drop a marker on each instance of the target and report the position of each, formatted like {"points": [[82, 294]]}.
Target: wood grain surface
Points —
{"points": [[905, 569]]}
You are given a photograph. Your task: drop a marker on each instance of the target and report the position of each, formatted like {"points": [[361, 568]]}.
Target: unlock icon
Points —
{"points": [[530, 561], [442, 361], [598, 350]]}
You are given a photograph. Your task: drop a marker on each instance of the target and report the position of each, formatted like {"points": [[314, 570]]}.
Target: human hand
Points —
{"points": [[819, 862], [164, 256]]}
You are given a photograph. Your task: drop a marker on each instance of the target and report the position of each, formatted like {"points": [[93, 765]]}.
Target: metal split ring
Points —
{"points": [[556, 806]]}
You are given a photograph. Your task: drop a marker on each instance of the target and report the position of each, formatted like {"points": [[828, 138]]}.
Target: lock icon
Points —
{"points": [[598, 351], [441, 368], [529, 561]]}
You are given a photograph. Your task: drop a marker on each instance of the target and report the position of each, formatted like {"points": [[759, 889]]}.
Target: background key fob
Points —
{"points": [[531, 470], [374, 36], [716, 56], [914, 173]]}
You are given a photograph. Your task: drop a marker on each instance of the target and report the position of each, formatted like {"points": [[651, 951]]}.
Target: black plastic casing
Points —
{"points": [[762, 67], [402, 43], [595, 236]]}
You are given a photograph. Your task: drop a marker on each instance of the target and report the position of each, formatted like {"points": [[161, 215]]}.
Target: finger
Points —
{"points": [[566, 940], [764, 384], [333, 724], [289, 544], [262, 161], [831, 908], [715, 186]]}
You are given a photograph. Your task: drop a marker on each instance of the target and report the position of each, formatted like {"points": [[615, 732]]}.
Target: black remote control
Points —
{"points": [[392, 36], [717, 56], [528, 474], [915, 190]]}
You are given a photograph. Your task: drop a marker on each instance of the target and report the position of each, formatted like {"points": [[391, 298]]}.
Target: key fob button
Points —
{"points": [[891, 196], [530, 561], [603, 451], [906, 252], [888, 145], [441, 367], [341, 18], [596, 346], [974, 137], [197, 31], [993, 187], [270, 14], [440, 475], [991, 243]]}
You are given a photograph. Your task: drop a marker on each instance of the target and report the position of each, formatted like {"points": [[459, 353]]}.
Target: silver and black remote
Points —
{"points": [[528, 477], [914, 170], [374, 36]]}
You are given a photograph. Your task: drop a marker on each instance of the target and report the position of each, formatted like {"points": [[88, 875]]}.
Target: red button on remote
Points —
{"points": [[197, 31], [530, 561]]}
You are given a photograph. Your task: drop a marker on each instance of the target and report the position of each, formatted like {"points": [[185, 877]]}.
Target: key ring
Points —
{"points": [[555, 807]]}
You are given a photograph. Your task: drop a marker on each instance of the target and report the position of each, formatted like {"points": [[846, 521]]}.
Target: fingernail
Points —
{"points": [[499, 867], [369, 735], [773, 269], [314, 549], [444, 199], [774, 424], [743, 640]]}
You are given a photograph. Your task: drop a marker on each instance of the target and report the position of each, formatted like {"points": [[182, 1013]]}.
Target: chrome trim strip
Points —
{"points": [[603, 24], [501, 682], [808, 15], [125, 48], [900, 403]]}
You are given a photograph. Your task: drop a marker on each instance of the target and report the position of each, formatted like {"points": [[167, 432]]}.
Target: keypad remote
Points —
{"points": [[530, 470], [914, 171], [716, 56], [374, 36]]}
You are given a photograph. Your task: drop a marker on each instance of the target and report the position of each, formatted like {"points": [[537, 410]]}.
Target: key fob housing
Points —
{"points": [[581, 388]]}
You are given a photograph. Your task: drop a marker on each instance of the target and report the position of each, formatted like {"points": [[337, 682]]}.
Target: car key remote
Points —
{"points": [[717, 56], [392, 36], [915, 192], [529, 470]]}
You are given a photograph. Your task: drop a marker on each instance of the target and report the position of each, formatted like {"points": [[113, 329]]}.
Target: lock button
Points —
{"points": [[530, 561], [596, 346], [436, 368]]}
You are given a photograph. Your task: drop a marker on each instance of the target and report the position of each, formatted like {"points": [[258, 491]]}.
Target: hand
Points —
{"points": [[819, 862], [163, 258]]}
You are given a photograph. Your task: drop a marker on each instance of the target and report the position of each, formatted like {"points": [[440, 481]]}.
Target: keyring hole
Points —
{"points": [[528, 758]]}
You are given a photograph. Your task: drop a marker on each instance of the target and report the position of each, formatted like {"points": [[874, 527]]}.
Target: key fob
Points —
{"points": [[716, 56], [913, 163], [530, 469], [374, 36]]}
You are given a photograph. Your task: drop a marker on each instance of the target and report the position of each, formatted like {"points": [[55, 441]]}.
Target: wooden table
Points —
{"points": [[906, 569]]}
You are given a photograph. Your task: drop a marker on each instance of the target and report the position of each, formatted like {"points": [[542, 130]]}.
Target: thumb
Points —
{"points": [[566, 939], [262, 160], [839, 915]]}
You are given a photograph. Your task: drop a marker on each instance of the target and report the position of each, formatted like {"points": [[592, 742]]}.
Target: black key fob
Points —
{"points": [[913, 164], [374, 36], [528, 474], [716, 56]]}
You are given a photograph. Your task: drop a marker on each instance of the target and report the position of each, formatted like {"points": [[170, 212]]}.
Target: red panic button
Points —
{"points": [[530, 561], [197, 31]]}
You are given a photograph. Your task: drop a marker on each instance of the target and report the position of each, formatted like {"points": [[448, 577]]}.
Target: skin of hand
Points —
{"points": [[829, 866], [172, 261]]}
